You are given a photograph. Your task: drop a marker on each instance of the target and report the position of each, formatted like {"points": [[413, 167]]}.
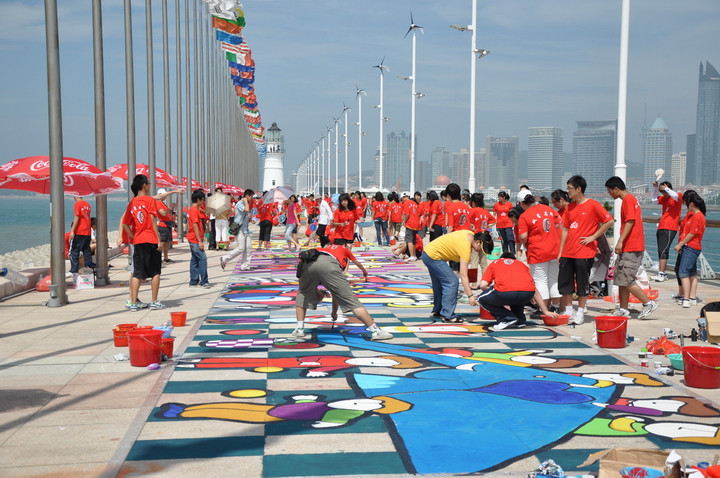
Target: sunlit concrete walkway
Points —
{"points": [[68, 408]]}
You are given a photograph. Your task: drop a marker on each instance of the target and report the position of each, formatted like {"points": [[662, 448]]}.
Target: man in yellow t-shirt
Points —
{"points": [[456, 246]]}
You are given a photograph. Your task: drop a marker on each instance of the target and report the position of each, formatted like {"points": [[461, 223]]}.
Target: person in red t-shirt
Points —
{"points": [[630, 249], [411, 220], [139, 222], [689, 247], [196, 238], [436, 221], [80, 235], [265, 215], [327, 270], [380, 217], [480, 221], [457, 212], [578, 246], [508, 282], [671, 203], [344, 221], [396, 211], [504, 225], [423, 212], [560, 200], [537, 230]]}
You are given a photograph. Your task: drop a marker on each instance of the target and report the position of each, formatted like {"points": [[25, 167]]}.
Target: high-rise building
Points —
{"points": [[657, 151], [461, 167], [501, 158], [690, 160], [707, 132], [273, 172], [397, 161], [423, 171], [594, 145], [440, 160], [679, 162], [545, 158]]}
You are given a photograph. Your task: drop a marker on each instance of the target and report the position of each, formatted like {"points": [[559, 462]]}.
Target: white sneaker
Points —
{"points": [[298, 332], [693, 301], [503, 325], [686, 304], [677, 296], [660, 277], [621, 313], [381, 335], [412, 259], [222, 263], [650, 307], [578, 318]]}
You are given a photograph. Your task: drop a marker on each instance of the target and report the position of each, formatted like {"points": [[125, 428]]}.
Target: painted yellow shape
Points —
{"points": [[241, 412], [248, 393], [644, 379], [268, 369], [604, 383], [623, 424]]}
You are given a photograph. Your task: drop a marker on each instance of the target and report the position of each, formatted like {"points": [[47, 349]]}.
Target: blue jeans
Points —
{"points": [[381, 226], [507, 235], [445, 286], [198, 265], [688, 262], [78, 245], [495, 301]]}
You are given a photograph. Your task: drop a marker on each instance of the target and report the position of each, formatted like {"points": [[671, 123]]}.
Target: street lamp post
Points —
{"points": [[345, 112], [337, 151], [360, 134], [415, 95], [381, 67]]}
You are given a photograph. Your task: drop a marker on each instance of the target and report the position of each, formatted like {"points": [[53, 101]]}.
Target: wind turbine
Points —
{"points": [[381, 67], [473, 62], [358, 95], [415, 95], [345, 112]]}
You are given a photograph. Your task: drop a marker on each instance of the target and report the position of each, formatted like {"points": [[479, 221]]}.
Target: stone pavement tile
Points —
{"points": [[107, 364], [16, 418], [172, 429], [340, 443], [41, 370], [50, 418], [111, 397], [79, 470], [201, 375], [43, 359], [245, 466], [39, 380], [308, 384], [61, 445]]}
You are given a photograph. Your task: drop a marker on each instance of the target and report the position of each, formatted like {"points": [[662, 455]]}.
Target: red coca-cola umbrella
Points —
{"points": [[229, 188], [80, 178], [195, 185], [163, 179]]}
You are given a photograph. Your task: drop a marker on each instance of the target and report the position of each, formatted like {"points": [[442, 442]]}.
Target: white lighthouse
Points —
{"points": [[273, 174]]}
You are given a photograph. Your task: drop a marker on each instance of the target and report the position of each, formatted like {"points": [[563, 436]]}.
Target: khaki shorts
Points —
{"points": [[325, 271], [626, 268]]}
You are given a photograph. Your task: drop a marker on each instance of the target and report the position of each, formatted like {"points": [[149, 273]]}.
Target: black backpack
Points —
{"points": [[310, 255], [711, 307]]}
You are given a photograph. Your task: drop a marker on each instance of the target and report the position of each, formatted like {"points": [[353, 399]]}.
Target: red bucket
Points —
{"points": [[145, 346], [178, 319], [611, 332], [701, 366], [472, 275], [393, 242], [485, 315], [120, 334], [167, 347]]}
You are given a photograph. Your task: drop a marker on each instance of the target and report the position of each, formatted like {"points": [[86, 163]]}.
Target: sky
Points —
{"points": [[552, 63]]}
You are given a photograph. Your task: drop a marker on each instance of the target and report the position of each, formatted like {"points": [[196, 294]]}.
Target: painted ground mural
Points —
{"points": [[438, 398]]}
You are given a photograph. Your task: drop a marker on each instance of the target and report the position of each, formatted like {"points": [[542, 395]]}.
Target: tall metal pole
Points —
{"points": [[130, 97], [382, 123], [360, 137], [329, 156], [166, 88], [473, 64], [100, 148], [620, 166], [322, 164], [412, 122], [150, 96], [346, 148], [197, 62], [337, 152], [205, 98], [179, 116], [58, 294], [188, 116]]}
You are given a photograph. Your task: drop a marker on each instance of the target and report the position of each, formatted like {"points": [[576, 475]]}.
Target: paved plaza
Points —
{"points": [[241, 397]]}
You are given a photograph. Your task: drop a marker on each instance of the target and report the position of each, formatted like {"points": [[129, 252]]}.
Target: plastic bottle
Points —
{"points": [[14, 276]]}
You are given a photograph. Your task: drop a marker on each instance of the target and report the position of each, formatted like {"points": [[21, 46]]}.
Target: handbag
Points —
{"points": [[234, 228]]}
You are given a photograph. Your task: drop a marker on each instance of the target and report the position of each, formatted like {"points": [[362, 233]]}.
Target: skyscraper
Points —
{"points": [[679, 161], [707, 133], [397, 161], [545, 158], [501, 157], [690, 160], [440, 159], [594, 145], [461, 167], [657, 151]]}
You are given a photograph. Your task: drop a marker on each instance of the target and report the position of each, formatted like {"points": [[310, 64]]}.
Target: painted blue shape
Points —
{"points": [[479, 416]]}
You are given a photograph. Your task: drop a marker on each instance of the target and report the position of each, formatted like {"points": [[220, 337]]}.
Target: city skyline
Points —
{"points": [[552, 63]]}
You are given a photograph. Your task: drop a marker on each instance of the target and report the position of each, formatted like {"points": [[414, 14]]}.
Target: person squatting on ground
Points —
{"points": [[578, 246], [630, 249], [380, 216], [195, 237], [539, 231], [80, 235], [671, 203], [689, 248], [139, 223], [243, 239], [454, 246], [508, 282], [327, 270]]}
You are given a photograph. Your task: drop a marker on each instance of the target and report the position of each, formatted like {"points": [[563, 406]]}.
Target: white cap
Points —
{"points": [[161, 191], [523, 194]]}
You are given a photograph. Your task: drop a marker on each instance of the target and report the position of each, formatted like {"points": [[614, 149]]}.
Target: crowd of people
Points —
{"points": [[564, 246]]}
